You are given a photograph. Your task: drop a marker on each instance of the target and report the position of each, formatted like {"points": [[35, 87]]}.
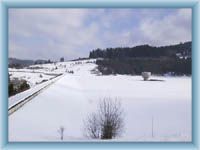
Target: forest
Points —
{"points": [[174, 59]]}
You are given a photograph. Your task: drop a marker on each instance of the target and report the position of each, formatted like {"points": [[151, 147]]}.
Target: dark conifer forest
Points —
{"points": [[174, 59]]}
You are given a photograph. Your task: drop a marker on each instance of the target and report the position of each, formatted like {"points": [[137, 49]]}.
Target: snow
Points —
{"points": [[31, 78], [13, 100], [73, 97]]}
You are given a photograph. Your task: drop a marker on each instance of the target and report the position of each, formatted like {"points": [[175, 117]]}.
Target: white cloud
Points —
{"points": [[170, 29], [53, 33]]}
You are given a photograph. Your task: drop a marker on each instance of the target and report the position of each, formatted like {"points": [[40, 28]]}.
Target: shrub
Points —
{"points": [[24, 86], [11, 90], [107, 122]]}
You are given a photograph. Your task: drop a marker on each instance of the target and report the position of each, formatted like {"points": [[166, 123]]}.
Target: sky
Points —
{"points": [[72, 33]]}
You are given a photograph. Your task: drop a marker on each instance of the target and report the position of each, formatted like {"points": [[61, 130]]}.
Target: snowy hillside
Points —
{"points": [[69, 100], [31, 78]]}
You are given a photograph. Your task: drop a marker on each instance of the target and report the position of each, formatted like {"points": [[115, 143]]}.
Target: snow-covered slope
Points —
{"points": [[13, 100], [31, 78], [68, 101]]}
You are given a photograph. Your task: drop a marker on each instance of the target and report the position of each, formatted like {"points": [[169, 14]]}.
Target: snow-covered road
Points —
{"points": [[68, 102]]}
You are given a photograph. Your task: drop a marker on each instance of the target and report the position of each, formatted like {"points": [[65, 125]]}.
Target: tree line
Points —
{"points": [[158, 60], [142, 51]]}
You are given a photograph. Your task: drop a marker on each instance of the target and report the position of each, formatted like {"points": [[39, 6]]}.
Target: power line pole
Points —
{"points": [[152, 132]]}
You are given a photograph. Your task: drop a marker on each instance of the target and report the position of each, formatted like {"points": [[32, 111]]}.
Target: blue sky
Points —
{"points": [[72, 33]]}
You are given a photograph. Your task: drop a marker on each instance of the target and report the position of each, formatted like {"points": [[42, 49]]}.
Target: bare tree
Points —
{"points": [[107, 123], [92, 126]]}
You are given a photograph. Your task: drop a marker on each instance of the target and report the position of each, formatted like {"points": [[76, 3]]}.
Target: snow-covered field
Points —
{"points": [[31, 78], [68, 101]]}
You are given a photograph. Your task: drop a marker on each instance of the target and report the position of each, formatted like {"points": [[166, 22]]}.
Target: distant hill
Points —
{"points": [[18, 63], [41, 61]]}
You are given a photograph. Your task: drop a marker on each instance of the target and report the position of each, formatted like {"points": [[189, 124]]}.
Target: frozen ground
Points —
{"points": [[68, 101]]}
